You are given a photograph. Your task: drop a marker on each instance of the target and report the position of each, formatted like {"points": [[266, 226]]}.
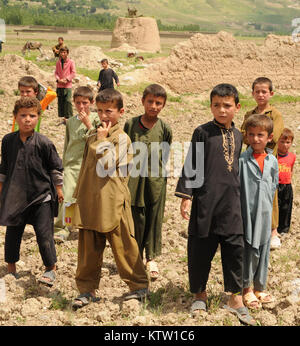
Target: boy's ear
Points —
{"points": [[122, 110], [238, 107], [270, 137]]}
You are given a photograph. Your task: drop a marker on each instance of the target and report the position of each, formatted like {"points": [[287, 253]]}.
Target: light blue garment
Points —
{"points": [[257, 193]]}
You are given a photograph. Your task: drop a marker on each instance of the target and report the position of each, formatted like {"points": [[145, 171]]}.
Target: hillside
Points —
{"points": [[243, 17]]}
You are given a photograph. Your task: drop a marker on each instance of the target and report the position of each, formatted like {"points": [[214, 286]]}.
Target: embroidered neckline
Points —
{"points": [[228, 144]]}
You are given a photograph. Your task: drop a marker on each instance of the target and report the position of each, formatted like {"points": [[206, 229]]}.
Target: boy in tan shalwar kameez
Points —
{"points": [[103, 206]]}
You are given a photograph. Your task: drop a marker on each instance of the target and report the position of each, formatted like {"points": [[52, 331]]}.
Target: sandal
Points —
{"points": [[198, 305], [152, 268], [243, 315], [139, 294], [264, 298], [251, 301], [48, 278], [83, 300]]}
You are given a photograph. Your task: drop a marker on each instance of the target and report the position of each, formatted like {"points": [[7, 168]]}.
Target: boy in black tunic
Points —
{"points": [[106, 77], [216, 211], [30, 182]]}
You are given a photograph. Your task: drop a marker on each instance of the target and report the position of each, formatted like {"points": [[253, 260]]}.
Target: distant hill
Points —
{"points": [[243, 17]]}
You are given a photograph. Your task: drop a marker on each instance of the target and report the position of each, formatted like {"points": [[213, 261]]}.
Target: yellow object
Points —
{"points": [[68, 214]]}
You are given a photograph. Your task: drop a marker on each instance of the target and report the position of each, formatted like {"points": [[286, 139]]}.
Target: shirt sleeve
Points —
{"points": [[4, 163], [72, 72], [184, 189], [115, 76]]}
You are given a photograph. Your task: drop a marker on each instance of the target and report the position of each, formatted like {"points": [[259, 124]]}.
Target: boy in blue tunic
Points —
{"points": [[259, 179]]}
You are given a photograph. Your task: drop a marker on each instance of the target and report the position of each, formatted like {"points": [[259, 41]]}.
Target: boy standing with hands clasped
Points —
{"points": [[262, 91], [64, 74], [259, 179], [107, 76], [148, 191], [30, 182], [213, 219], [103, 202]]}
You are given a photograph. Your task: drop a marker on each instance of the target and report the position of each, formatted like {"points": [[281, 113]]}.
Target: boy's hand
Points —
{"points": [[102, 131], [85, 119], [60, 194], [185, 208]]}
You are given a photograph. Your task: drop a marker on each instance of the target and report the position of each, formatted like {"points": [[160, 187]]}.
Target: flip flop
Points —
{"points": [[198, 305], [49, 274], [250, 298], [152, 268], [83, 300], [242, 314], [139, 294], [262, 297]]}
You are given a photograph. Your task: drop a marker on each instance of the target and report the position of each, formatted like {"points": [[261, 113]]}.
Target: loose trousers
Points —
{"points": [[40, 216], [285, 204], [201, 252], [91, 246]]}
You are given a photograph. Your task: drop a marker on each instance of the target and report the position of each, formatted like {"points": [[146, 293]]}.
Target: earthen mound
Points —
{"points": [[198, 64], [141, 33]]}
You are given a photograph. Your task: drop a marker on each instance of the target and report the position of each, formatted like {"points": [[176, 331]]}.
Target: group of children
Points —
{"points": [[233, 207]]}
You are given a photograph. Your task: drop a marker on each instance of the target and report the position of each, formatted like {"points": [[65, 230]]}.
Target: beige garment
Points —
{"points": [[91, 246], [101, 200]]}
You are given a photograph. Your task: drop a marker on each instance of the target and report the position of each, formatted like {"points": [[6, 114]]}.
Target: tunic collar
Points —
{"points": [[222, 126]]}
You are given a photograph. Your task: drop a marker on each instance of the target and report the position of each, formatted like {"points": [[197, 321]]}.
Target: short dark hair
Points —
{"points": [[224, 90], [60, 38], [29, 81], [110, 95], [27, 102], [84, 91], [155, 90], [287, 134], [104, 60], [263, 80], [260, 120], [64, 49]]}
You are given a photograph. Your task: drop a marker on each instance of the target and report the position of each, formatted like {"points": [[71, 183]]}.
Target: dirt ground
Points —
{"points": [[30, 304]]}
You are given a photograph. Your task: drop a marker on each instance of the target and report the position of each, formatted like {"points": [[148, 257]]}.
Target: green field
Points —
{"points": [[241, 17]]}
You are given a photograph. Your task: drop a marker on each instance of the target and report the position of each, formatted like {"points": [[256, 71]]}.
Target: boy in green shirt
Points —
{"points": [[78, 128], [148, 193]]}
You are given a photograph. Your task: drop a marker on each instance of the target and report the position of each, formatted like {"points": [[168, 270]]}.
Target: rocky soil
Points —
{"points": [[30, 304]]}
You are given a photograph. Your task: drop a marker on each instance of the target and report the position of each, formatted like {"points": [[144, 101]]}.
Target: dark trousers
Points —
{"points": [[201, 252], [285, 204], [64, 102], [40, 216]]}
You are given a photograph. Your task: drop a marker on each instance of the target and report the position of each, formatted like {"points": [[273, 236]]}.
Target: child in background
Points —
{"points": [[107, 76], [259, 180], [103, 206], [30, 182], [64, 74], [148, 194], [78, 128], [262, 91], [286, 161], [214, 220]]}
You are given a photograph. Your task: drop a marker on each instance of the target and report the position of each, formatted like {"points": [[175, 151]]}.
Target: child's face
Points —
{"points": [[27, 119], [284, 145], [258, 138], [153, 105], [109, 113], [224, 109], [63, 54], [104, 64], [26, 91], [82, 104], [262, 94]]}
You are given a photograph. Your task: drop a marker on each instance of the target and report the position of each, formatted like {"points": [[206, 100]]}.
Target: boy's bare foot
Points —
{"points": [[11, 268]]}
